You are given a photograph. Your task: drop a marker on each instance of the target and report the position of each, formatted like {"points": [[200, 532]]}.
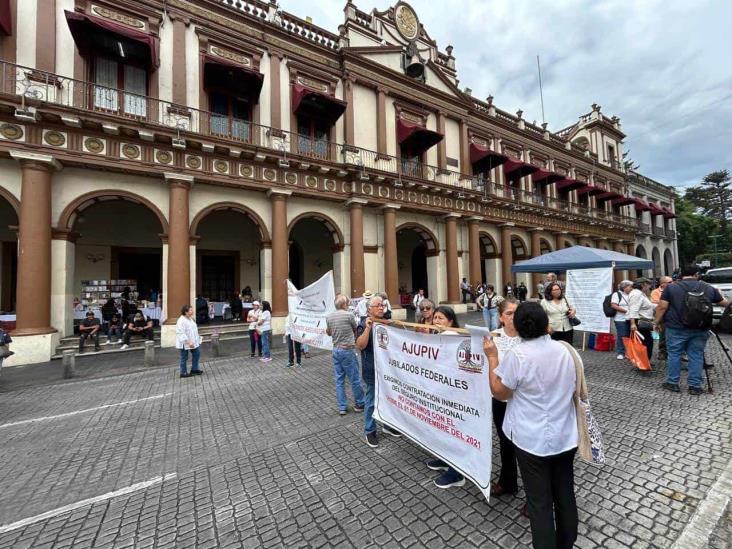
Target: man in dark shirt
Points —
{"points": [[679, 337], [365, 342], [89, 328], [138, 325]]}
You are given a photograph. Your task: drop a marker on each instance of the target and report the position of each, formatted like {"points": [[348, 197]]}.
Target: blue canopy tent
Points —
{"points": [[581, 257]]}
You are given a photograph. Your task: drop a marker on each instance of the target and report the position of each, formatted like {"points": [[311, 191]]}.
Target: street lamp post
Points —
{"points": [[715, 237]]}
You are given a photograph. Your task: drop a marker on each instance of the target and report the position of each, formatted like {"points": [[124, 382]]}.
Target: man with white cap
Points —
{"points": [[363, 305], [252, 319]]}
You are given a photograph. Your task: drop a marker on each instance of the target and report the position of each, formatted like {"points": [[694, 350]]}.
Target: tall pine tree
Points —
{"points": [[713, 197]]}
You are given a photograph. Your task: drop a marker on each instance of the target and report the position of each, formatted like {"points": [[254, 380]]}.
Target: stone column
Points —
{"points": [[358, 273], [506, 255], [632, 275], [619, 275], [560, 240], [451, 258], [179, 255], [280, 254], [474, 250], [381, 147], [33, 291], [391, 269], [535, 252]]}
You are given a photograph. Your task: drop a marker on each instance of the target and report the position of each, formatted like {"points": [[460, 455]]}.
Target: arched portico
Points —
{"points": [[418, 260], [9, 208], [490, 259], [316, 246]]}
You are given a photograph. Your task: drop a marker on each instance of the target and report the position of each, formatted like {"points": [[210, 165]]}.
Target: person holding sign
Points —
{"points": [[365, 343], [445, 317], [538, 378], [559, 311]]}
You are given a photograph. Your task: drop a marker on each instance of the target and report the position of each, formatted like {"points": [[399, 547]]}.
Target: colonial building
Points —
{"points": [[202, 146]]}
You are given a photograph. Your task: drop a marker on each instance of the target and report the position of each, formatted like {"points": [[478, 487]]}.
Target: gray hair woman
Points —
{"points": [[620, 302]]}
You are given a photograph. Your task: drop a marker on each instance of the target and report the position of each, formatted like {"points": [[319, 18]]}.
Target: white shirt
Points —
{"points": [[266, 325], [622, 301], [387, 305], [504, 342], [540, 416], [363, 307], [186, 330], [253, 314], [558, 319], [417, 300], [640, 306]]}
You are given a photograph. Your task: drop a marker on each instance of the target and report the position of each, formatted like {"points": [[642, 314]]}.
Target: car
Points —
{"points": [[721, 279]]}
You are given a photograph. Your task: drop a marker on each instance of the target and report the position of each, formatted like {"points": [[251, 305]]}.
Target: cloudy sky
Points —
{"points": [[663, 66]]}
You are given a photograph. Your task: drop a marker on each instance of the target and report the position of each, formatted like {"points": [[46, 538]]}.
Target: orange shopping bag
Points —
{"points": [[635, 351]]}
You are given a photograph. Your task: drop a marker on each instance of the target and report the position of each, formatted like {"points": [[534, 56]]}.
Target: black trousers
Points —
{"points": [[255, 342], [508, 478], [647, 341], [466, 295], [88, 335], [146, 333], [567, 336], [549, 487], [294, 348]]}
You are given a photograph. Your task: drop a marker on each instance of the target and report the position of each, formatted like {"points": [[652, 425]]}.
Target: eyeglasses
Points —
{"points": [[425, 308]]}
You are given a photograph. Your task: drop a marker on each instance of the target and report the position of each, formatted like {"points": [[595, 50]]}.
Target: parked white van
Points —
{"points": [[721, 279]]}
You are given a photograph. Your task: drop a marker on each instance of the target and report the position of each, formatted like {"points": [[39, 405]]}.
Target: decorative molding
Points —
{"points": [[118, 17]]}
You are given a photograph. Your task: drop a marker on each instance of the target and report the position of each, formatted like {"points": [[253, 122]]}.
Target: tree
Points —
{"points": [[693, 230], [713, 197]]}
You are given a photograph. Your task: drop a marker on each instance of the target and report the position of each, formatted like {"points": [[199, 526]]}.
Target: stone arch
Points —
{"points": [[668, 262], [332, 226], [657, 265], [232, 206], [519, 248], [10, 197], [640, 251], [545, 246], [488, 246], [427, 236], [70, 213]]}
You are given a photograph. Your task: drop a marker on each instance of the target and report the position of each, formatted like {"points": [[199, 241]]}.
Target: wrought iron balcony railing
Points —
{"points": [[35, 87]]}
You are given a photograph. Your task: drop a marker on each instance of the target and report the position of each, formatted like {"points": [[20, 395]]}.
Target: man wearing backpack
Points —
{"points": [[686, 312]]}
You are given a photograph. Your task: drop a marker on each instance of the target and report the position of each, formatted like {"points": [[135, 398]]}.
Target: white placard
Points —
{"points": [[586, 290], [307, 310], [436, 392]]}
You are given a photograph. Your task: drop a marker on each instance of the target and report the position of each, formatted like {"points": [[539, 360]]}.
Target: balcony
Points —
{"points": [[31, 88], [659, 232], [671, 234], [643, 228]]}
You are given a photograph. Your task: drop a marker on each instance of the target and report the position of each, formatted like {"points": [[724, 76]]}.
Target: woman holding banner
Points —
{"points": [[538, 378], [426, 310], [506, 338], [559, 311], [445, 318]]}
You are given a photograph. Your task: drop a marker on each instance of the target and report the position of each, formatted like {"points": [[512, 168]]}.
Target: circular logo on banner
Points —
{"points": [[466, 360], [382, 337]]}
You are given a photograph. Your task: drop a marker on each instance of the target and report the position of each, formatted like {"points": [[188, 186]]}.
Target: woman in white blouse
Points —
{"points": [[559, 312], [187, 339], [538, 379], [640, 313]]}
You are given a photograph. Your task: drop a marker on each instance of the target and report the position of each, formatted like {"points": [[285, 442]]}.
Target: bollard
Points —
{"points": [[68, 359], [149, 353], [215, 349]]}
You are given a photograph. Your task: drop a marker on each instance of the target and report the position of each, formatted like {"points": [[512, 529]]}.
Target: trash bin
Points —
{"points": [[604, 342]]}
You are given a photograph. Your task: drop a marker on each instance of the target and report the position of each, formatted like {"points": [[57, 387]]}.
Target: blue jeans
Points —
{"points": [[265, 343], [490, 318], [622, 327], [346, 364], [691, 341], [195, 355], [369, 424]]}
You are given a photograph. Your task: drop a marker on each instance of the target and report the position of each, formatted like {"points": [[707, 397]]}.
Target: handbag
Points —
{"points": [[573, 321], [5, 352], [643, 324], [589, 435], [636, 352]]}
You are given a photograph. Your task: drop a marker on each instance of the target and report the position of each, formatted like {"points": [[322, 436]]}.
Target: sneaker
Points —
{"points": [[81, 351], [437, 465], [450, 478], [187, 374], [123, 347], [620, 357], [372, 440], [197, 372], [265, 359], [299, 365], [392, 432], [251, 356], [342, 412], [97, 349], [696, 391], [497, 489], [118, 342], [673, 387], [358, 408], [107, 343], [289, 365]]}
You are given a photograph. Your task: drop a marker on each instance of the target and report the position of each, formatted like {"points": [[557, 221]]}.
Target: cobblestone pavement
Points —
{"points": [[256, 455]]}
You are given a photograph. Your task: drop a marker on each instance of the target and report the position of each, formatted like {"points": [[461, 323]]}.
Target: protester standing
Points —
{"points": [[445, 317], [488, 302], [255, 342], [640, 313], [620, 302], [465, 290], [365, 343], [559, 311], [416, 300], [387, 305], [538, 379], [187, 340], [686, 326], [663, 283], [426, 310], [522, 291], [264, 329], [341, 326], [294, 348], [362, 309]]}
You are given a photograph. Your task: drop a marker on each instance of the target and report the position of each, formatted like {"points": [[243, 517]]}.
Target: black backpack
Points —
{"points": [[607, 305], [698, 310], [725, 323]]}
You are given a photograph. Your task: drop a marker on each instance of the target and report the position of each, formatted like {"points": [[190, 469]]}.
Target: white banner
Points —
{"points": [[586, 290], [307, 310], [436, 392]]}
